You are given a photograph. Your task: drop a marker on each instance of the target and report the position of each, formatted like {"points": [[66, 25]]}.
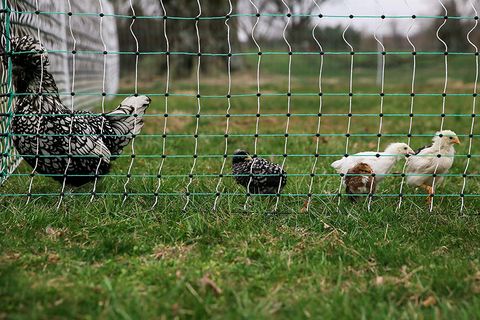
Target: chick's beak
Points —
{"points": [[248, 158], [456, 141], [410, 151]]}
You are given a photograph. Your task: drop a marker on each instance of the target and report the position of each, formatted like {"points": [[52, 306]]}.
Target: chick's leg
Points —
{"points": [[430, 191]]}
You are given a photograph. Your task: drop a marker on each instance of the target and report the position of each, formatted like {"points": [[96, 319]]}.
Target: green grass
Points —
{"points": [[123, 262], [109, 259]]}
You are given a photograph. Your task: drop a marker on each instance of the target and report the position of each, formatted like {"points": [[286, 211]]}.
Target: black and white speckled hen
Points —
{"points": [[267, 176], [74, 146]]}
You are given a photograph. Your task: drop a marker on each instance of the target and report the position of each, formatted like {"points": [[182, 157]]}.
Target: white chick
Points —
{"points": [[427, 163], [380, 165]]}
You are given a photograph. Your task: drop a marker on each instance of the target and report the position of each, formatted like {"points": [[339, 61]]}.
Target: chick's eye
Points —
{"points": [[451, 138], [405, 148]]}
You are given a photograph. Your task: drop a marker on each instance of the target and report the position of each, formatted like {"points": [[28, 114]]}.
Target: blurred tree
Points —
{"points": [[454, 31], [299, 30], [331, 38], [181, 33]]}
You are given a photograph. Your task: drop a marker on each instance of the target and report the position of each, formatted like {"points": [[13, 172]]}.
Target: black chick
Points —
{"points": [[41, 124], [359, 180], [242, 164]]}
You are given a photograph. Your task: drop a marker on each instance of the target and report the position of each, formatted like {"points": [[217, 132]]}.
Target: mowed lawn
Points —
{"points": [[126, 259]]}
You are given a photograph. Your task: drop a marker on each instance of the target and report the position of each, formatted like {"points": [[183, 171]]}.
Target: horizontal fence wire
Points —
{"points": [[165, 151], [288, 53], [38, 12]]}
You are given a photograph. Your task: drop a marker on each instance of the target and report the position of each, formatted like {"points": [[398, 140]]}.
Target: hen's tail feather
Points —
{"points": [[120, 120], [123, 121]]}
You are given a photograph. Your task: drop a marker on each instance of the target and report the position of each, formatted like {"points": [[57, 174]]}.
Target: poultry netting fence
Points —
{"points": [[302, 118]]}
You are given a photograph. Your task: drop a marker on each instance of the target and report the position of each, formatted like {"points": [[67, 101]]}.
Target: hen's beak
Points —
{"points": [[410, 151], [456, 141], [248, 158]]}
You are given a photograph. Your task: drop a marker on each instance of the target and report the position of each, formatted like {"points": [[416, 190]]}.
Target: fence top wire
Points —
{"points": [[38, 12]]}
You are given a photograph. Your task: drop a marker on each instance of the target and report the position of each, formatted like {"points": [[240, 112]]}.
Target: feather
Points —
{"points": [[359, 180], [422, 148], [267, 177], [426, 162], [380, 165]]}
